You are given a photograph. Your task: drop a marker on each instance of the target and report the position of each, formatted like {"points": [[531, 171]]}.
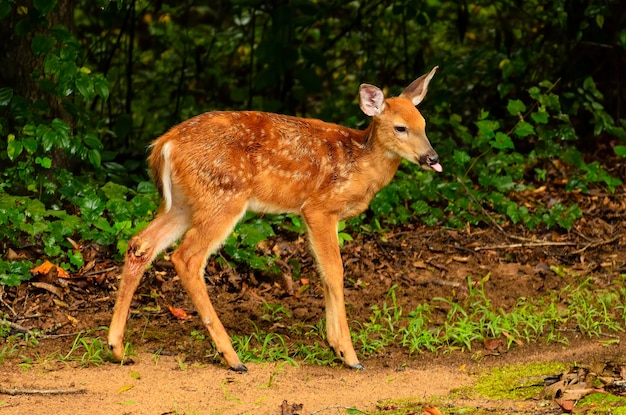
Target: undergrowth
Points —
{"points": [[488, 169], [575, 309], [71, 176]]}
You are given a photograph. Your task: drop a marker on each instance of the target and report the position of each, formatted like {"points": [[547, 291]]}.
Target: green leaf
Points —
{"points": [[600, 20], [254, 232], [5, 9], [45, 162], [461, 157], [5, 96], [61, 33], [91, 206], [60, 125], [524, 129], [49, 139], [534, 92], [51, 64], [101, 86], [85, 85], [76, 258], [14, 147], [23, 27], [622, 38], [502, 141], [94, 157], [30, 144], [92, 141], [487, 128], [620, 150], [540, 117], [44, 6], [146, 187], [13, 273], [41, 44], [420, 207], [515, 107]]}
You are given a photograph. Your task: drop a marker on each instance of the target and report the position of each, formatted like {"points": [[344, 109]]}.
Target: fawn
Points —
{"points": [[215, 166]]}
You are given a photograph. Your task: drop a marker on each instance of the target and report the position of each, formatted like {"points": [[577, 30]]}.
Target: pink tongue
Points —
{"points": [[437, 167]]}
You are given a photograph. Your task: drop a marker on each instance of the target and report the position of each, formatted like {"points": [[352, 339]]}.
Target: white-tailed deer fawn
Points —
{"points": [[214, 167]]}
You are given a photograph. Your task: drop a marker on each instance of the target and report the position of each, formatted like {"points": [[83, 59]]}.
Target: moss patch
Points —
{"points": [[523, 381], [602, 403]]}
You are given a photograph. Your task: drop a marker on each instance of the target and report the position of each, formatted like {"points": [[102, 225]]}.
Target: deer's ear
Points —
{"points": [[418, 88], [371, 100]]}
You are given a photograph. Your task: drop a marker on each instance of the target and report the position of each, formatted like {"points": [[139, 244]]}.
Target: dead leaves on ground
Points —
{"points": [[567, 388], [292, 409], [179, 313]]}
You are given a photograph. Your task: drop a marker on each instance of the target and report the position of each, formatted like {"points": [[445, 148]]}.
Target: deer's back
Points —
{"points": [[278, 162]]}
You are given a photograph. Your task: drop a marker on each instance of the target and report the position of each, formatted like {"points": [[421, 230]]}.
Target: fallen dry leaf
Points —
{"points": [[46, 267], [420, 264], [74, 244], [179, 313], [431, 410], [493, 344], [566, 405], [48, 287], [292, 409], [14, 256]]}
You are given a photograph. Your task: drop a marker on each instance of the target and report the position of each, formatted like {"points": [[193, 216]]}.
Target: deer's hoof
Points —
{"points": [[358, 366], [240, 368]]}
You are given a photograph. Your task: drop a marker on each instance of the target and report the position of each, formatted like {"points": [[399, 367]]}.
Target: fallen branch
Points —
{"points": [[14, 391], [596, 244], [338, 407], [17, 327], [21, 329], [100, 271], [525, 245]]}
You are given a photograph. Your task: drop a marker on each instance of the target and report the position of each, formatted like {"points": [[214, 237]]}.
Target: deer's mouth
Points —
{"points": [[431, 161]]}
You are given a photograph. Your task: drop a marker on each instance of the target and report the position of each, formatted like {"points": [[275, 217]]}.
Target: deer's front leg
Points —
{"points": [[325, 246]]}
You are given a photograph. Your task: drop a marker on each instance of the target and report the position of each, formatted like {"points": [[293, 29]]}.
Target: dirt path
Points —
{"points": [[163, 388], [159, 386]]}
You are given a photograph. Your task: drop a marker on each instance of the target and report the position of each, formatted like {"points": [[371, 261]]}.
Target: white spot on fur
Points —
{"points": [[166, 176]]}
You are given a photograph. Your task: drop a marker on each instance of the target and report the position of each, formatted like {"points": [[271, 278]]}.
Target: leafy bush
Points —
{"points": [[77, 122], [486, 172]]}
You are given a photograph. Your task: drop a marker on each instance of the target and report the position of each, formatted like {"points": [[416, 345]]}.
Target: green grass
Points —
{"points": [[581, 309], [440, 326]]}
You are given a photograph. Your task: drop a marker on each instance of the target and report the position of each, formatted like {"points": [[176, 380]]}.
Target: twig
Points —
{"points": [[17, 327], [100, 271], [5, 303], [480, 205], [14, 391], [21, 329], [338, 407], [596, 244], [525, 245]]}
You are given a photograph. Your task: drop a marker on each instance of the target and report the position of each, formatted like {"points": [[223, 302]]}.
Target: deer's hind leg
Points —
{"points": [[210, 227], [163, 231]]}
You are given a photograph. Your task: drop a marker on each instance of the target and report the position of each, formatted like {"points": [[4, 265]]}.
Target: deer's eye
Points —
{"points": [[400, 128]]}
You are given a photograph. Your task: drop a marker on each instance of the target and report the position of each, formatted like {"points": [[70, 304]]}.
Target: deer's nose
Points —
{"points": [[432, 159]]}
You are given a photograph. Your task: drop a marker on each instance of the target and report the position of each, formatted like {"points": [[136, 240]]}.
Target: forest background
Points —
{"points": [[530, 94]]}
